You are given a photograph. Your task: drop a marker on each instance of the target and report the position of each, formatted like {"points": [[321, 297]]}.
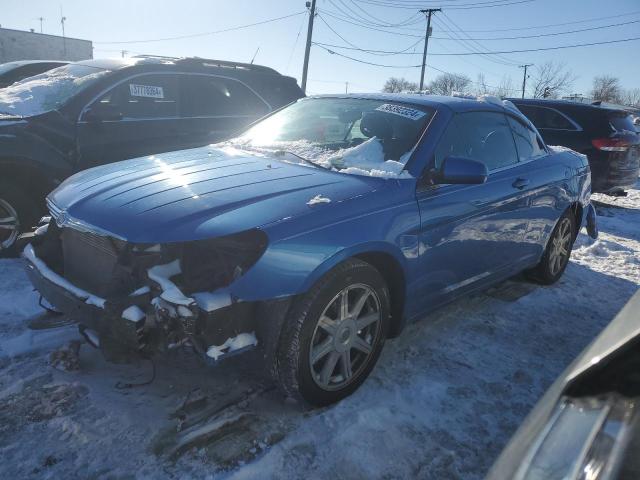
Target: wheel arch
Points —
{"points": [[25, 172], [394, 276], [578, 212], [389, 261]]}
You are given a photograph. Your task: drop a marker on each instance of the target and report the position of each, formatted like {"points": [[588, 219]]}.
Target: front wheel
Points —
{"points": [[17, 213], [334, 334], [556, 256]]}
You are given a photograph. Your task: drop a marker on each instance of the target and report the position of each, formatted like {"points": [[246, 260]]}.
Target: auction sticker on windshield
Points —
{"points": [[406, 112], [148, 91]]}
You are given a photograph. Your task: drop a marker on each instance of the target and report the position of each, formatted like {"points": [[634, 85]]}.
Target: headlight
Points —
{"points": [[585, 439], [210, 264]]}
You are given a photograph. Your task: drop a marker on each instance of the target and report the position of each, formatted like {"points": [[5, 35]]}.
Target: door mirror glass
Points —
{"points": [[103, 112], [461, 170]]}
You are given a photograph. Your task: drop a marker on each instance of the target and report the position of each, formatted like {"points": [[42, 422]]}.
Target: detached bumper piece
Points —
{"points": [[151, 318]]}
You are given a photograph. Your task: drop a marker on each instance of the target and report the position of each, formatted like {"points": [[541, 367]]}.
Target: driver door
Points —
{"points": [[147, 121], [471, 234]]}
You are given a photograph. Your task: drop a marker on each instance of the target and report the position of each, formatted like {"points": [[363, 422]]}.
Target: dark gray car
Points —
{"points": [[587, 425]]}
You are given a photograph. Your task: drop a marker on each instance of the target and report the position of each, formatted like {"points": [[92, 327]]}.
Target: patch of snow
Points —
{"points": [[318, 199], [210, 301], [43, 92], [365, 159], [133, 314], [141, 291], [232, 344], [561, 149], [161, 274], [61, 282]]}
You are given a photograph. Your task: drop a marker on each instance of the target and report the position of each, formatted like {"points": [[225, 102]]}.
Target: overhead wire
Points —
{"points": [[202, 34]]}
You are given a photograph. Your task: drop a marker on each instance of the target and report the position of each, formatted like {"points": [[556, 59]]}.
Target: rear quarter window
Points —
{"points": [[547, 118], [622, 122]]}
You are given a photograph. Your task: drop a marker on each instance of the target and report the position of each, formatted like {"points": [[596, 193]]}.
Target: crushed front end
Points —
{"points": [[146, 298]]}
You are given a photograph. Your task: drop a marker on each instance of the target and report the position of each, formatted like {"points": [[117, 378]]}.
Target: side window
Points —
{"points": [[527, 141], [146, 96], [210, 96], [483, 136], [543, 117]]}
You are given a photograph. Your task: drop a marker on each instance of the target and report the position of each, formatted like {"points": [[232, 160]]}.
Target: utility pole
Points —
{"points": [[41, 19], [64, 39], [524, 78], [346, 87], [305, 67], [124, 53], [429, 12]]}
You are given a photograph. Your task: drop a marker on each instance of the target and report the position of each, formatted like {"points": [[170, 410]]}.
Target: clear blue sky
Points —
{"points": [[281, 43]]}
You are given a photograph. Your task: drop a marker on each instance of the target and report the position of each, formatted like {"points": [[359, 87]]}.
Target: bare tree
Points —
{"points": [[397, 85], [505, 88], [631, 97], [551, 79], [607, 89], [447, 83], [481, 86]]}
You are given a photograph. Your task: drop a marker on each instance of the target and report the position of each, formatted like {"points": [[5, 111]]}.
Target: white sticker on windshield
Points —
{"points": [[405, 112], [148, 91]]}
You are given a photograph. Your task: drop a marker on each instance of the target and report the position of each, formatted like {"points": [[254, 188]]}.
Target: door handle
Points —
{"points": [[520, 183]]}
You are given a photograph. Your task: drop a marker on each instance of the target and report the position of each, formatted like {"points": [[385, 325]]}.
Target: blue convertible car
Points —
{"points": [[315, 235]]}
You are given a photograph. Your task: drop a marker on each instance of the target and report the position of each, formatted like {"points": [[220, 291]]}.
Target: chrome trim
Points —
{"points": [[64, 220]]}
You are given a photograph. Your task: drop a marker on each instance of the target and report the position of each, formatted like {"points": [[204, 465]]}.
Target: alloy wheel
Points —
{"points": [[344, 337], [9, 225], [560, 247]]}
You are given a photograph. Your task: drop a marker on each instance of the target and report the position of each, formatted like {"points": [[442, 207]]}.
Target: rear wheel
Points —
{"points": [[556, 256], [334, 334], [17, 213]]}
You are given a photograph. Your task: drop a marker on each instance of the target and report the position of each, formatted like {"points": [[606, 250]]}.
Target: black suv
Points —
{"points": [[12, 72], [607, 136], [99, 111]]}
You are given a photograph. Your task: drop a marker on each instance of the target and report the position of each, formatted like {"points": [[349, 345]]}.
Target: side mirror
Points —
{"points": [[102, 112], [461, 170]]}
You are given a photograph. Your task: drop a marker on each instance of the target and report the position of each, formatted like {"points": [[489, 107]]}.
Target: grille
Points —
{"points": [[90, 260]]}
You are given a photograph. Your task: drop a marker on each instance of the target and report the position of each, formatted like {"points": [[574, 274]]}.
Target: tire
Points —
{"points": [[558, 251], [300, 377], [14, 203]]}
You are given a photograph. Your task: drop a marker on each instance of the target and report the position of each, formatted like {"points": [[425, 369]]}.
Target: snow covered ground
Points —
{"points": [[442, 402]]}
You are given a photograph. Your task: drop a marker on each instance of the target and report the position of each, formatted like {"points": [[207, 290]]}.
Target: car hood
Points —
{"points": [[196, 194]]}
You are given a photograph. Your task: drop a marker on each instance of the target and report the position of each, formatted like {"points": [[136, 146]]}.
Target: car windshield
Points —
{"points": [[352, 135], [47, 91]]}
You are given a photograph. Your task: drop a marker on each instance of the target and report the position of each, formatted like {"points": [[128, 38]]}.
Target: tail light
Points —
{"points": [[611, 144]]}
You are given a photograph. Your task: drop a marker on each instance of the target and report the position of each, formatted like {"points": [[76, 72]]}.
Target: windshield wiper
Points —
{"points": [[282, 153]]}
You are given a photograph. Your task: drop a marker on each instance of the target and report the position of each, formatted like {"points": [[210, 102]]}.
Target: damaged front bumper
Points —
{"points": [[154, 318]]}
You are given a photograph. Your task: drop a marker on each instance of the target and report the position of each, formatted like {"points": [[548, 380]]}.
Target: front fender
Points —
{"points": [[292, 265]]}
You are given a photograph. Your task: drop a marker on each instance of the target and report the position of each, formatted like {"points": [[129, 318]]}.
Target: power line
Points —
{"points": [[553, 33], [480, 47], [541, 49], [355, 47], [469, 46], [551, 25], [357, 60], [494, 3], [193, 35]]}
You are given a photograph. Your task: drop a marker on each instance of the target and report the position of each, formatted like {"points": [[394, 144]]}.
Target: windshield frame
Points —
{"points": [[428, 109]]}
